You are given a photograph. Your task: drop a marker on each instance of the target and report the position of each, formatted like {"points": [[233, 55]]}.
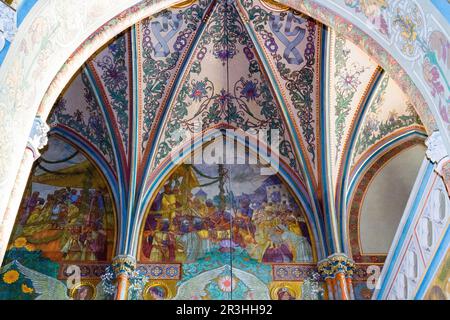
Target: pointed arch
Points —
{"points": [[101, 165], [359, 188], [163, 171]]}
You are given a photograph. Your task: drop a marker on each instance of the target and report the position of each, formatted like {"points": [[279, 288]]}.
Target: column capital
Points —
{"points": [[124, 264], [334, 264], [436, 149], [337, 270], [324, 268], [438, 155], [38, 136]]}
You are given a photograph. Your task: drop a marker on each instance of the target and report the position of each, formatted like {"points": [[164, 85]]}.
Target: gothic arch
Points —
{"points": [[362, 184], [100, 165], [48, 40], [82, 165], [165, 169]]}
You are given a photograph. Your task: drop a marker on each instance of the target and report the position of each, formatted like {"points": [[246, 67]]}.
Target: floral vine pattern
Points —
{"points": [[91, 126], [297, 71], [247, 104], [347, 76], [374, 129], [436, 67], [137, 281], [115, 78], [409, 23], [406, 25], [374, 10], [159, 66]]}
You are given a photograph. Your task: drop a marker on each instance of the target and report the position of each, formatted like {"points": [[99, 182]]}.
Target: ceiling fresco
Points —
{"points": [[351, 77], [251, 65], [246, 64], [214, 95], [390, 112], [79, 111], [289, 46]]}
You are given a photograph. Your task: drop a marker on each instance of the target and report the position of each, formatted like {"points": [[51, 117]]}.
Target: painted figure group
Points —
{"points": [[69, 224], [183, 225]]}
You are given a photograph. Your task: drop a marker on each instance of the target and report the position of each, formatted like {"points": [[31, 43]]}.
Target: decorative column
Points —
{"points": [[36, 141], [123, 267], [337, 270], [438, 155], [324, 268]]}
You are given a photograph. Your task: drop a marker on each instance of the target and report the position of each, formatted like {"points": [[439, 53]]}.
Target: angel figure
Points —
{"points": [[49, 288]]}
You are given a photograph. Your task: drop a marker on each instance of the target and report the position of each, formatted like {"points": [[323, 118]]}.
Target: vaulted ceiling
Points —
{"points": [[246, 64]]}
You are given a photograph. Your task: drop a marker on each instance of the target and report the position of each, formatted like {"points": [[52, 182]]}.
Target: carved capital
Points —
{"points": [[334, 264], [124, 265], [436, 148], [324, 268], [38, 136]]}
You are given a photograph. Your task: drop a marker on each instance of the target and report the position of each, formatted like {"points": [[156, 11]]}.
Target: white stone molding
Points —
{"points": [[8, 24], [38, 137]]}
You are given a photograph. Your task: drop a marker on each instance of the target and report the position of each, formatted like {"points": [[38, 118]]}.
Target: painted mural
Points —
{"points": [[214, 231], [227, 225], [66, 216], [389, 113]]}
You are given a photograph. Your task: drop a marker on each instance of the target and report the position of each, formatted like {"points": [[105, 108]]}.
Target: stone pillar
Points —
{"points": [[36, 141], [337, 270], [123, 267], [437, 154]]}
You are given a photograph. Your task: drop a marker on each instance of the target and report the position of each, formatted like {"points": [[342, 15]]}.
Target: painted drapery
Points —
{"points": [[66, 217]]}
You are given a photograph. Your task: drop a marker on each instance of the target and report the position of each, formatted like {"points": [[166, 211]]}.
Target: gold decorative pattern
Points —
{"points": [[274, 5], [124, 264], [334, 264], [168, 288], [183, 4], [293, 289], [83, 284]]}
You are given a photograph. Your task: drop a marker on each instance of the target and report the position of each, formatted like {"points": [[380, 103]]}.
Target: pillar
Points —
{"points": [[325, 270], [36, 141], [337, 270], [123, 267]]}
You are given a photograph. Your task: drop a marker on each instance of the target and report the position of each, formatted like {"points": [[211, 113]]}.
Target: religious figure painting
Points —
{"points": [[157, 291], [216, 208], [66, 216], [84, 291], [226, 225], [66, 211]]}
